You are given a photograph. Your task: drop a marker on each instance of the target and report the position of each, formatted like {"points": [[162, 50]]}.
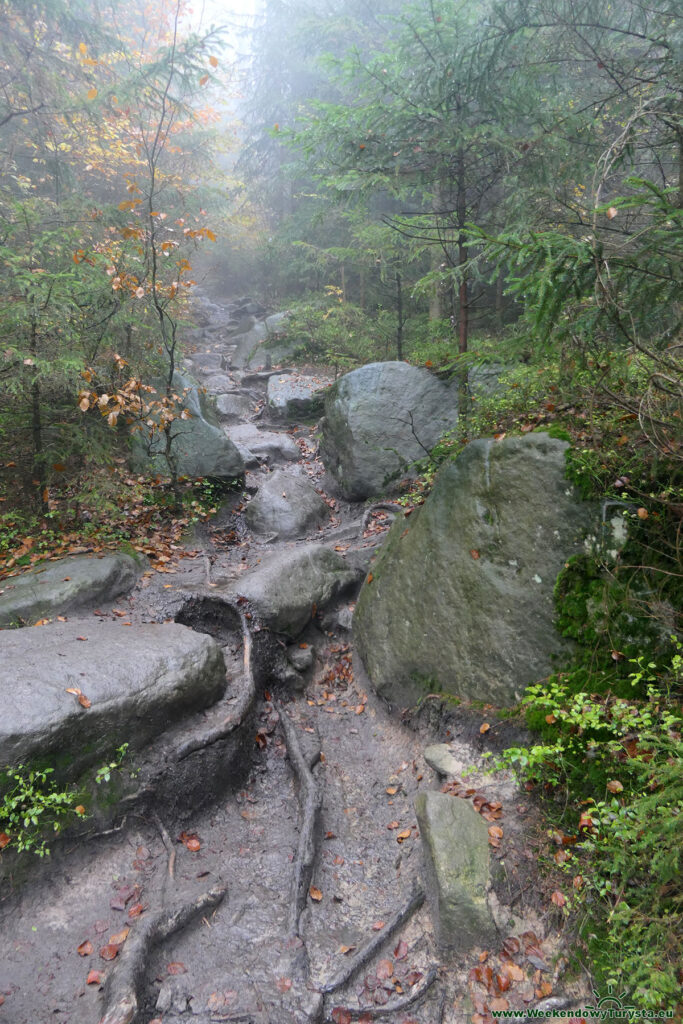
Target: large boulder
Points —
{"points": [[461, 597], [378, 420], [288, 587], [257, 346], [55, 588], [457, 872], [200, 447], [295, 396], [266, 445], [286, 505], [138, 681], [234, 406]]}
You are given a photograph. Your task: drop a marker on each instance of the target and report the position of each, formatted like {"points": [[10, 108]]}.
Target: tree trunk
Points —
{"points": [[399, 316], [38, 467], [463, 303], [499, 301], [436, 294]]}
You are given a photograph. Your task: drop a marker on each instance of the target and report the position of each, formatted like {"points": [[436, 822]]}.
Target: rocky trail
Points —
{"points": [[267, 866]]}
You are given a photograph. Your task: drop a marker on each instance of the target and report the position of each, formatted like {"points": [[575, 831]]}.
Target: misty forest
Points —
{"points": [[341, 501]]}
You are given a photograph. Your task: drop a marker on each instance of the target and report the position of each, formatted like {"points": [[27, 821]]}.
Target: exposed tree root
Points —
{"points": [[376, 942], [396, 1005], [215, 733], [311, 802], [379, 506], [123, 984], [168, 843]]}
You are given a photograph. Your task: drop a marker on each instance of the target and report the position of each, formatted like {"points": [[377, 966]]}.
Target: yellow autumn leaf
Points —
{"points": [[82, 48], [92, 93], [204, 79], [213, 61]]}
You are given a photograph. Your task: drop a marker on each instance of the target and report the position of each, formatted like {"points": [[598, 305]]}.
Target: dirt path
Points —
{"points": [[241, 960]]}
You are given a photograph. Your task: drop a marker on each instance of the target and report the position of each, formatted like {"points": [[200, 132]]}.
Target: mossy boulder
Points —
{"points": [[461, 597], [200, 447], [379, 419], [54, 588]]}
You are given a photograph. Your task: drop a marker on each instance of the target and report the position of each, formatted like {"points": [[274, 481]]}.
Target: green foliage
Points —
{"points": [[32, 804], [336, 333], [104, 773]]}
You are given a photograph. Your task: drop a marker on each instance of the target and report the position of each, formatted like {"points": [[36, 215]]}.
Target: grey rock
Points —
{"points": [[257, 346], [378, 420], [267, 444], [233, 406], [55, 588], [294, 396], [438, 756], [201, 448], [219, 383], [139, 680], [244, 325], [434, 616], [301, 657], [286, 505], [207, 360], [456, 852], [287, 584]]}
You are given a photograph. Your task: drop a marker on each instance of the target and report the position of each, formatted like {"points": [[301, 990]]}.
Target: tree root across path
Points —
{"points": [[312, 802], [379, 506], [216, 733], [394, 1005], [375, 944]]}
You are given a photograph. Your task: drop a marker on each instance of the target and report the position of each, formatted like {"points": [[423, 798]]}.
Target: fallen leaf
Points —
{"points": [[558, 899], [176, 967], [4, 840], [109, 952], [513, 971], [385, 970], [341, 1015], [369, 578], [393, 825], [284, 984], [496, 831], [81, 638], [193, 845], [345, 950], [475, 554], [94, 978], [484, 728], [315, 894], [85, 948], [401, 951], [377, 926], [119, 938], [392, 790], [83, 701], [136, 910], [405, 834]]}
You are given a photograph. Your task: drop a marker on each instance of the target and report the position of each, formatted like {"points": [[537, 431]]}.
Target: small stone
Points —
{"points": [[301, 657], [439, 757]]}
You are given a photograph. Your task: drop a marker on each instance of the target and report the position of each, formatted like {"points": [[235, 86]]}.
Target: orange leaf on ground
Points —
{"points": [[484, 728], [109, 952], [94, 978], [85, 948], [315, 894]]}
